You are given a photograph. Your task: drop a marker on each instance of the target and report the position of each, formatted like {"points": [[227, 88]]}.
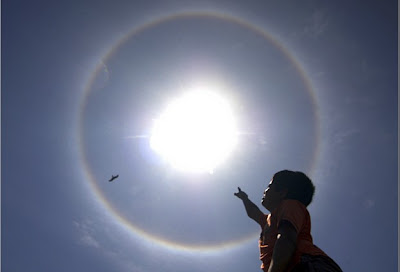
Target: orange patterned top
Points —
{"points": [[297, 214]]}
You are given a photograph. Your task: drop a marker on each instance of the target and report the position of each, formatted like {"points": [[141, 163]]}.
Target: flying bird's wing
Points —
{"points": [[113, 177]]}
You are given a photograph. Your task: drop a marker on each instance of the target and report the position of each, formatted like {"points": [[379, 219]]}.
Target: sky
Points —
{"points": [[313, 88]]}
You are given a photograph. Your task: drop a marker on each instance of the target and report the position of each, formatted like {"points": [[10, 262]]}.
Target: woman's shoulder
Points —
{"points": [[291, 207], [293, 211]]}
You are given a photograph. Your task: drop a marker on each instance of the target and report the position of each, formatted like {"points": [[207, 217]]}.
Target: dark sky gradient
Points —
{"points": [[62, 138]]}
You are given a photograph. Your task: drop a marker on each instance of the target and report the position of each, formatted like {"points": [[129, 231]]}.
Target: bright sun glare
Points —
{"points": [[196, 132]]}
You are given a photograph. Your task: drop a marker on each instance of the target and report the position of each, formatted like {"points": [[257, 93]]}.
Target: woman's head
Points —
{"points": [[297, 185]]}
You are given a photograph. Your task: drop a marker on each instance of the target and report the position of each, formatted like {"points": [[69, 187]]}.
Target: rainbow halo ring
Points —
{"points": [[139, 232]]}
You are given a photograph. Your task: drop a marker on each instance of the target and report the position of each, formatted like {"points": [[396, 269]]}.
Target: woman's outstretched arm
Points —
{"points": [[252, 210]]}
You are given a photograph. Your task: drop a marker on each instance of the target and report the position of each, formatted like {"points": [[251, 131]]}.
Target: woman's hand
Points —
{"points": [[240, 194]]}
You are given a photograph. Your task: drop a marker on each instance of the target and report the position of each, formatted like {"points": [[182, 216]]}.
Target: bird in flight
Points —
{"points": [[113, 177]]}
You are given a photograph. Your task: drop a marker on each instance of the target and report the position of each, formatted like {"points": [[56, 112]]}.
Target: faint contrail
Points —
{"points": [[137, 136], [142, 136], [245, 133], [148, 136]]}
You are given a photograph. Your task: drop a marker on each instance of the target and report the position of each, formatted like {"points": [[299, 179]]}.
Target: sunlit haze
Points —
{"points": [[196, 132], [185, 101]]}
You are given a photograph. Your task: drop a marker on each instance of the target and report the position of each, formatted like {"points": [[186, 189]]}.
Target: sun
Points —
{"points": [[196, 132]]}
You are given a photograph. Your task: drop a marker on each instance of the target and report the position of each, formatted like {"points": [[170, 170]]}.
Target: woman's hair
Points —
{"points": [[299, 186]]}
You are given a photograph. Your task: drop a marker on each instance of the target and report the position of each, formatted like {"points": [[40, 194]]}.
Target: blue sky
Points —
{"points": [[313, 86]]}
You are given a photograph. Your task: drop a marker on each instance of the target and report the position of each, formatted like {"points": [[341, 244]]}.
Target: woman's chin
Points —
{"points": [[264, 203]]}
